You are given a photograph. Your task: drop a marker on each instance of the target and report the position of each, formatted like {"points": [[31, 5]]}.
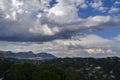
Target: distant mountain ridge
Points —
{"points": [[26, 55]]}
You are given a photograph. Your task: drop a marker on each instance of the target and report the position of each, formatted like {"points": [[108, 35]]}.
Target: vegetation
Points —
{"points": [[4, 67], [21, 71], [62, 69], [49, 72], [29, 71]]}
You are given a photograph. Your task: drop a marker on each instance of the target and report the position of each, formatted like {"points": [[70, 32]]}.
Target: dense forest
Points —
{"points": [[61, 69]]}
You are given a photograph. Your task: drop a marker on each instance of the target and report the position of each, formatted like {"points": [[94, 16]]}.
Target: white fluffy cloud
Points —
{"points": [[98, 5], [37, 18], [83, 6], [113, 10], [117, 38], [117, 2]]}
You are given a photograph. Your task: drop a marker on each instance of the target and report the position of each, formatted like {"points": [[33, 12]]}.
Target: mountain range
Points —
{"points": [[26, 55]]}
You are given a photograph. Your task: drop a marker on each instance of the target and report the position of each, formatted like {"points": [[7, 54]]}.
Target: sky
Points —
{"points": [[64, 28]]}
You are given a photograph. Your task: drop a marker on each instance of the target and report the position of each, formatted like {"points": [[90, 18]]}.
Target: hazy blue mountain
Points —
{"points": [[26, 55]]}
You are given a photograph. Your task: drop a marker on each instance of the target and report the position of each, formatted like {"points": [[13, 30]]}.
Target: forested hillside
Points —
{"points": [[61, 69]]}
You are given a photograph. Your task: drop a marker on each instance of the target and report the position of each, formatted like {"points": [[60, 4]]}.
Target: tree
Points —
{"points": [[4, 66], [21, 71], [49, 72]]}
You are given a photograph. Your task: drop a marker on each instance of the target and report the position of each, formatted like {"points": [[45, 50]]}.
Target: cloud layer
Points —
{"points": [[23, 20], [60, 27], [89, 45]]}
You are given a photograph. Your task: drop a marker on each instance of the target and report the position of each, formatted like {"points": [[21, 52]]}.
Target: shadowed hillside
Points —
{"points": [[26, 55]]}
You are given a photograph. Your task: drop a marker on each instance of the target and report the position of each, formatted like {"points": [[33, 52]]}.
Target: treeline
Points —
{"points": [[89, 68], [62, 69], [29, 71]]}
